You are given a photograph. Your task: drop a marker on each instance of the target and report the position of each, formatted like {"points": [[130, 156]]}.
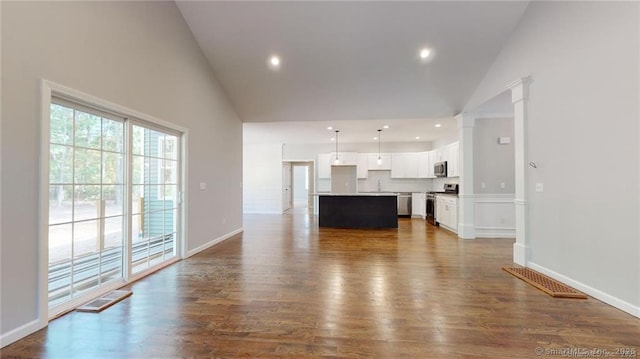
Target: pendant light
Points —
{"points": [[337, 161], [379, 157]]}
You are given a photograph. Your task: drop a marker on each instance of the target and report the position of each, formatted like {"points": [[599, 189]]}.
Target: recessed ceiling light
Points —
{"points": [[274, 62], [375, 138], [417, 137], [329, 128], [438, 125], [385, 126], [424, 53], [333, 139]]}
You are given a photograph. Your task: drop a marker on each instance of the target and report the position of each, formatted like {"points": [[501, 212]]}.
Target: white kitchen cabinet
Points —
{"points": [[324, 165], [453, 160], [404, 165], [363, 165], [447, 212], [419, 205], [385, 162], [425, 164], [344, 158]]}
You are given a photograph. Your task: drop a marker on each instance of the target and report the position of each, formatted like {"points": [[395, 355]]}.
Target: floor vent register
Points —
{"points": [[105, 301], [544, 283]]}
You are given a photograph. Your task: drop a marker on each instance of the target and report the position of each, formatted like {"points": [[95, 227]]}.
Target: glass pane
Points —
{"points": [[153, 201], [138, 141], [60, 203], [112, 168], [171, 147], [169, 246], [137, 199], [60, 164], [170, 174], [137, 225], [152, 170], [153, 142], [113, 235], [85, 239], [168, 222], [113, 197], [170, 196], [137, 175], [59, 244], [86, 202], [61, 125], [87, 166], [88, 130], [112, 135]]}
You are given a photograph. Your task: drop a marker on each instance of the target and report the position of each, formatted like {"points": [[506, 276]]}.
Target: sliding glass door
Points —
{"points": [[86, 201], [113, 200], [154, 199]]}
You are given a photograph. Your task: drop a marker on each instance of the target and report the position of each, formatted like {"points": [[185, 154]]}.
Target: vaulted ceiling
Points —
{"points": [[343, 61]]}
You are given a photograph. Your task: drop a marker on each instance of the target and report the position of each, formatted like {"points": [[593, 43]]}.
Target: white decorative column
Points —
{"points": [[519, 95], [466, 203]]}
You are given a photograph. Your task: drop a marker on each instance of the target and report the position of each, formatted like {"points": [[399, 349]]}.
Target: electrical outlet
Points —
{"points": [[203, 186], [224, 221], [539, 187], [502, 185], [483, 185]]}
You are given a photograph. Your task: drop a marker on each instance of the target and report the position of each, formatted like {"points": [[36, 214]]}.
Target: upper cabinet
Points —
{"points": [[425, 164], [404, 165], [344, 158], [385, 162], [453, 159]]}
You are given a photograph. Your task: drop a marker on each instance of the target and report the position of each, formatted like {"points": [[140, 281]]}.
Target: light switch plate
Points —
{"points": [[203, 186]]}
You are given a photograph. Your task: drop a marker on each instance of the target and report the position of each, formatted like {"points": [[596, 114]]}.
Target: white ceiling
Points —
{"points": [[350, 61]]}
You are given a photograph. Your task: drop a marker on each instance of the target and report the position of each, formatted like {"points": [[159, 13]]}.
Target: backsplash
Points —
{"points": [[388, 184]]}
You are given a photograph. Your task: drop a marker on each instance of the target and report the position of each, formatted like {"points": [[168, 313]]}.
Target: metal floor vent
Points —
{"points": [[104, 302]]}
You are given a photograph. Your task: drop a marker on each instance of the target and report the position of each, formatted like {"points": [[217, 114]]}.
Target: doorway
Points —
{"points": [[298, 186]]}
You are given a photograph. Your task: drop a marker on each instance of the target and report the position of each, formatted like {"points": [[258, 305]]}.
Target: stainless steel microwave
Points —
{"points": [[440, 169]]}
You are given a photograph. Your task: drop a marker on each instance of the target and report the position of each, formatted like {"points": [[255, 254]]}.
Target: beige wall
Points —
{"points": [[140, 55], [583, 134]]}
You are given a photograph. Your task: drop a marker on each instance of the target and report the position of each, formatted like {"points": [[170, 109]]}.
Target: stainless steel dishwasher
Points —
{"points": [[404, 204]]}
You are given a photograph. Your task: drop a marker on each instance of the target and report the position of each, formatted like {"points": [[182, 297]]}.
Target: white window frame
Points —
{"points": [[49, 89]]}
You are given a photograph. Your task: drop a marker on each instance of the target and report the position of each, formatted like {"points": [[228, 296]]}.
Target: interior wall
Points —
{"points": [[140, 55], [262, 187], [493, 163], [582, 116]]}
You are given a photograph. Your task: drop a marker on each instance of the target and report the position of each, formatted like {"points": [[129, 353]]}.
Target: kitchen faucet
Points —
{"points": [[379, 186]]}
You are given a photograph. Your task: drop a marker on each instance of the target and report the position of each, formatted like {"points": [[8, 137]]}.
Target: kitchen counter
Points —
{"points": [[375, 194], [358, 210]]}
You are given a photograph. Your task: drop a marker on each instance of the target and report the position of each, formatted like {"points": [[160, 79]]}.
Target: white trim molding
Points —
{"points": [[466, 218], [495, 215], [20, 332], [519, 97], [213, 242], [598, 294]]}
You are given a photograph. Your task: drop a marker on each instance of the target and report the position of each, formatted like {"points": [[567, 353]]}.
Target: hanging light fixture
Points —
{"points": [[337, 161], [379, 157]]}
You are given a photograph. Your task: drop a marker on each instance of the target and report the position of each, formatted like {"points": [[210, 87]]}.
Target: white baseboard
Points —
{"points": [[495, 232], [598, 294], [20, 332], [213, 242]]}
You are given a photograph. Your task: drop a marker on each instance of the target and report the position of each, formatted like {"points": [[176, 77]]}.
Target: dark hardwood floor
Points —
{"points": [[287, 288]]}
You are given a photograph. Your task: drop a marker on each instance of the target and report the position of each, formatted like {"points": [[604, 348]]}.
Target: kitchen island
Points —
{"points": [[358, 210]]}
